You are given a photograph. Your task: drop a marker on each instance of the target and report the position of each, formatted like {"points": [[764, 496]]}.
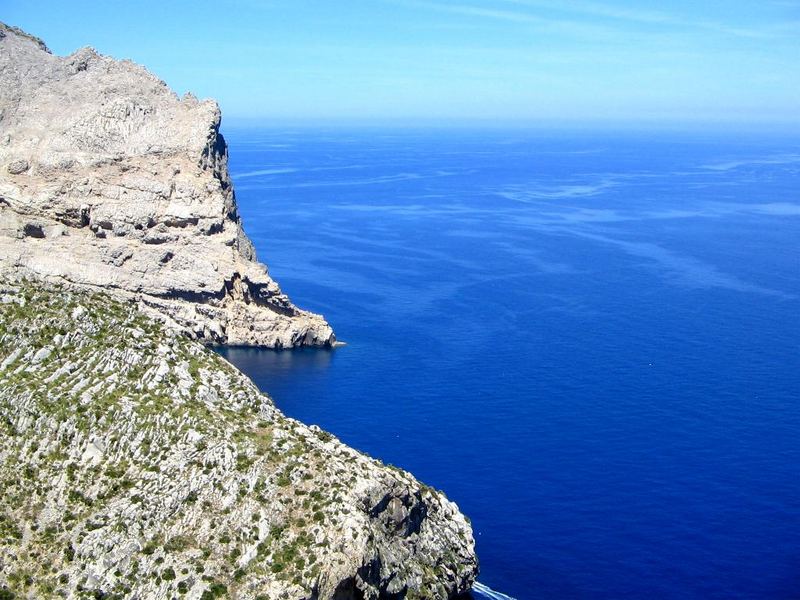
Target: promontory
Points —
{"points": [[134, 461], [109, 181]]}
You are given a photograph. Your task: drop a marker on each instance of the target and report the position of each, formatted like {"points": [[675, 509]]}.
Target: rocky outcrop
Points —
{"points": [[136, 463], [109, 181]]}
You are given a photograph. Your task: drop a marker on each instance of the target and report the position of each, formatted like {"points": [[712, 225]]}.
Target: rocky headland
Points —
{"points": [[109, 181], [134, 461]]}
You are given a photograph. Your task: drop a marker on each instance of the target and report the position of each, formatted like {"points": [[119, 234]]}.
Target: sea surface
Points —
{"points": [[589, 340]]}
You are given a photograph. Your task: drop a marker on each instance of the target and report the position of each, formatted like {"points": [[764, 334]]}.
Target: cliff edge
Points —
{"points": [[134, 461], [109, 181]]}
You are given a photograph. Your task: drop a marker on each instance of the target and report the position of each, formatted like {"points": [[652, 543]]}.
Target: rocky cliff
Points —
{"points": [[109, 181], [136, 463]]}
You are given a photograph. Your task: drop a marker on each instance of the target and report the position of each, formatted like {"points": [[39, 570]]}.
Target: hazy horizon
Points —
{"points": [[530, 62]]}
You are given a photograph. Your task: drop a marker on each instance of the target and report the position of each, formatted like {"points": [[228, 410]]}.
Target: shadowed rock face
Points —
{"points": [[109, 181]]}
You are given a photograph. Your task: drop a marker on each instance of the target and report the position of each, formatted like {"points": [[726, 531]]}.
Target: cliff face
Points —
{"points": [[136, 463], [109, 181]]}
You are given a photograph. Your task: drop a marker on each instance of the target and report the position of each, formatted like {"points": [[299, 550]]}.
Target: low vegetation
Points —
{"points": [[134, 460]]}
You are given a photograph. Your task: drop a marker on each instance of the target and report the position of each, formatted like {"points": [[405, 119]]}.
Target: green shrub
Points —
{"points": [[6, 594], [215, 590]]}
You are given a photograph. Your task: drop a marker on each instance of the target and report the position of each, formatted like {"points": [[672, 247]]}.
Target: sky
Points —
{"points": [[532, 61]]}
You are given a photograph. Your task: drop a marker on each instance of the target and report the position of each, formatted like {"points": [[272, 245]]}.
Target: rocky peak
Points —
{"points": [[6, 29], [109, 180]]}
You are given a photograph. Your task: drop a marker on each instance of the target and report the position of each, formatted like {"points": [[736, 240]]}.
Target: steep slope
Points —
{"points": [[109, 181], [136, 463]]}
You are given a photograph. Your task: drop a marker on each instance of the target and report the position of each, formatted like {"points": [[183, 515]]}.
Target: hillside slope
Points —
{"points": [[136, 463]]}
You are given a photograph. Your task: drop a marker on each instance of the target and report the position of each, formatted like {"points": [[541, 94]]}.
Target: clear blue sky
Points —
{"points": [[515, 60]]}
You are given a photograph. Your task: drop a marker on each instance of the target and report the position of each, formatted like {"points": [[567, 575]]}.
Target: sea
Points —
{"points": [[589, 339]]}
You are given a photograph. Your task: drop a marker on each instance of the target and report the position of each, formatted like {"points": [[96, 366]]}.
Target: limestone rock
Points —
{"points": [[109, 181], [136, 463]]}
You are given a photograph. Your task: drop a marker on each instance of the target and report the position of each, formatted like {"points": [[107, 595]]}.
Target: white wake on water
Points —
{"points": [[486, 591]]}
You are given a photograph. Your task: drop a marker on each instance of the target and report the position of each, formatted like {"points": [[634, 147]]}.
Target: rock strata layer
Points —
{"points": [[137, 463], [109, 181]]}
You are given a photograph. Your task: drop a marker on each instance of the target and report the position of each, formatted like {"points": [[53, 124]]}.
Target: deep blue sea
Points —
{"points": [[589, 340]]}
